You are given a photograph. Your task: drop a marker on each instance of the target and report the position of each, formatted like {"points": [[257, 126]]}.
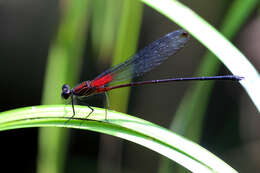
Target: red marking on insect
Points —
{"points": [[80, 87], [101, 90], [101, 81]]}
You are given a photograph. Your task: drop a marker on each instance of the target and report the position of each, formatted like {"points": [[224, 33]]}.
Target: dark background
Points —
{"points": [[231, 126]]}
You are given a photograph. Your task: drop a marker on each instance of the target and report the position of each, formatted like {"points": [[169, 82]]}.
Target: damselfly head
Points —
{"points": [[66, 92]]}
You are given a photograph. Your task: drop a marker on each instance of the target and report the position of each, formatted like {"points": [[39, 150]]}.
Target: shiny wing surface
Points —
{"points": [[145, 60]]}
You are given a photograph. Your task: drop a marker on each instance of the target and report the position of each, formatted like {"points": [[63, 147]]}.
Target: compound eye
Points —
{"points": [[65, 87], [65, 91]]}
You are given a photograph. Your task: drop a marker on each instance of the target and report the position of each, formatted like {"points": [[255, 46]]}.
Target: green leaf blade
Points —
{"points": [[230, 56], [161, 140]]}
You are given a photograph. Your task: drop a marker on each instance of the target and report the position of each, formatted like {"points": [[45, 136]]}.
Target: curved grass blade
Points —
{"points": [[161, 140], [233, 59]]}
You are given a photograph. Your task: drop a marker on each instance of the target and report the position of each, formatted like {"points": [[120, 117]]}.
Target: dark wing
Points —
{"points": [[145, 60]]}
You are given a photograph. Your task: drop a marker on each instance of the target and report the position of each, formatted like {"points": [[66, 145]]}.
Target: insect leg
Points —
{"points": [[92, 110], [73, 109], [107, 104]]}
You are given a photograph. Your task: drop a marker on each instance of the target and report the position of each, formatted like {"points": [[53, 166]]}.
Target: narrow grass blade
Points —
{"points": [[233, 59], [154, 137], [65, 56], [125, 46]]}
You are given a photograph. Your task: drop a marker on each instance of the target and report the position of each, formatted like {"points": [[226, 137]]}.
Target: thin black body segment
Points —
{"points": [[227, 77]]}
